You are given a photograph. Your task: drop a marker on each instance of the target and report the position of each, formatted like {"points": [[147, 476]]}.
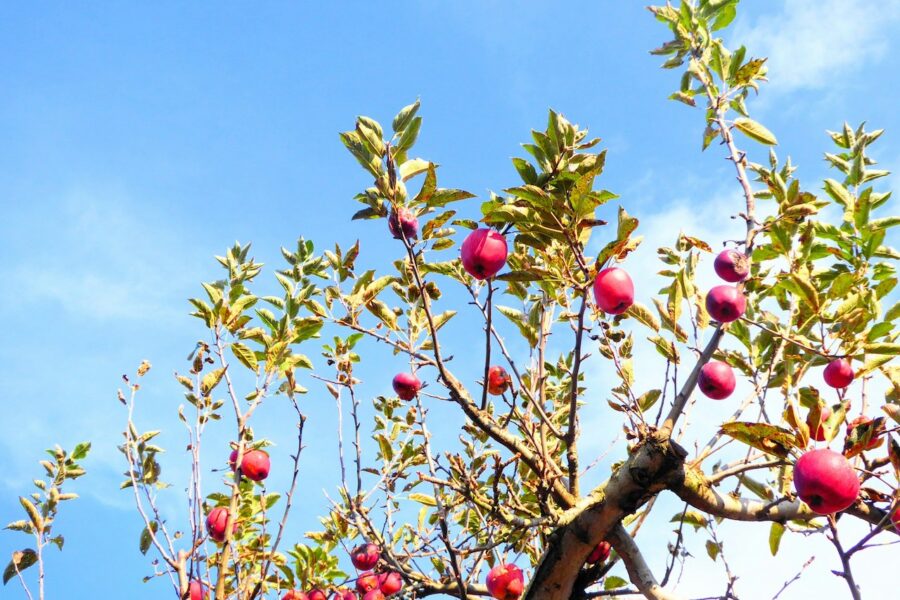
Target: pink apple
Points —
{"points": [[483, 253], [403, 222], [366, 582], [255, 464], [498, 380], [725, 303], [406, 385], [599, 554], [732, 266], [317, 594], [716, 380], [838, 373], [505, 582], [295, 595], [343, 594], [216, 522], [825, 480], [197, 590], [390, 583], [613, 290], [375, 594], [365, 556]]}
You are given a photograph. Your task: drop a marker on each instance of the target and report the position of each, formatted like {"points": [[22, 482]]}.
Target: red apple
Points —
{"points": [[825, 480], [613, 290], [505, 582], [599, 554], [403, 222], [895, 518], [365, 556], [295, 595], [406, 385], [818, 432], [725, 303], [390, 583], [838, 373], [366, 582], [316, 594], [732, 266], [875, 440], [716, 380], [483, 253], [255, 464], [343, 594], [197, 590], [216, 521], [375, 594], [498, 380]]}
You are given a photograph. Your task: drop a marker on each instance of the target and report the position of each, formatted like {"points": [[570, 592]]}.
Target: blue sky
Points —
{"points": [[139, 141]]}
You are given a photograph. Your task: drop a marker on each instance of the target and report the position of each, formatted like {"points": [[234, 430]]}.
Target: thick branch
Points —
{"points": [[652, 464], [638, 571]]}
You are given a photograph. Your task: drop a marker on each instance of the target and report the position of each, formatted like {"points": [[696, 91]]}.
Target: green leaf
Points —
{"points": [[21, 560], [423, 499], [36, 520], [404, 117], [146, 538], [775, 533], [383, 312], [81, 451], [755, 131], [642, 313], [771, 439], [691, 517], [246, 356], [882, 348], [211, 380], [614, 582], [648, 399], [712, 549]]}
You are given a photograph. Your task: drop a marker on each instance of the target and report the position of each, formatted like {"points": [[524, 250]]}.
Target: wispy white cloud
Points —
{"points": [[810, 42], [100, 259]]}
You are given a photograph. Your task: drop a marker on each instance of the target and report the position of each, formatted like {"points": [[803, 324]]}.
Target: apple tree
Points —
{"points": [[802, 322]]}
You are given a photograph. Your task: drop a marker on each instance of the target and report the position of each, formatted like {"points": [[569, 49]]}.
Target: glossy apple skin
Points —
{"points": [[725, 303], [295, 595], [197, 591], [613, 291], [498, 380], [406, 385], [366, 582], [343, 594], [255, 465], [216, 521], [316, 594], [875, 440], [403, 222], [825, 480], [716, 380], [375, 594], [505, 582], [818, 433], [483, 253], [390, 583], [599, 554], [732, 266], [838, 373], [365, 556]]}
